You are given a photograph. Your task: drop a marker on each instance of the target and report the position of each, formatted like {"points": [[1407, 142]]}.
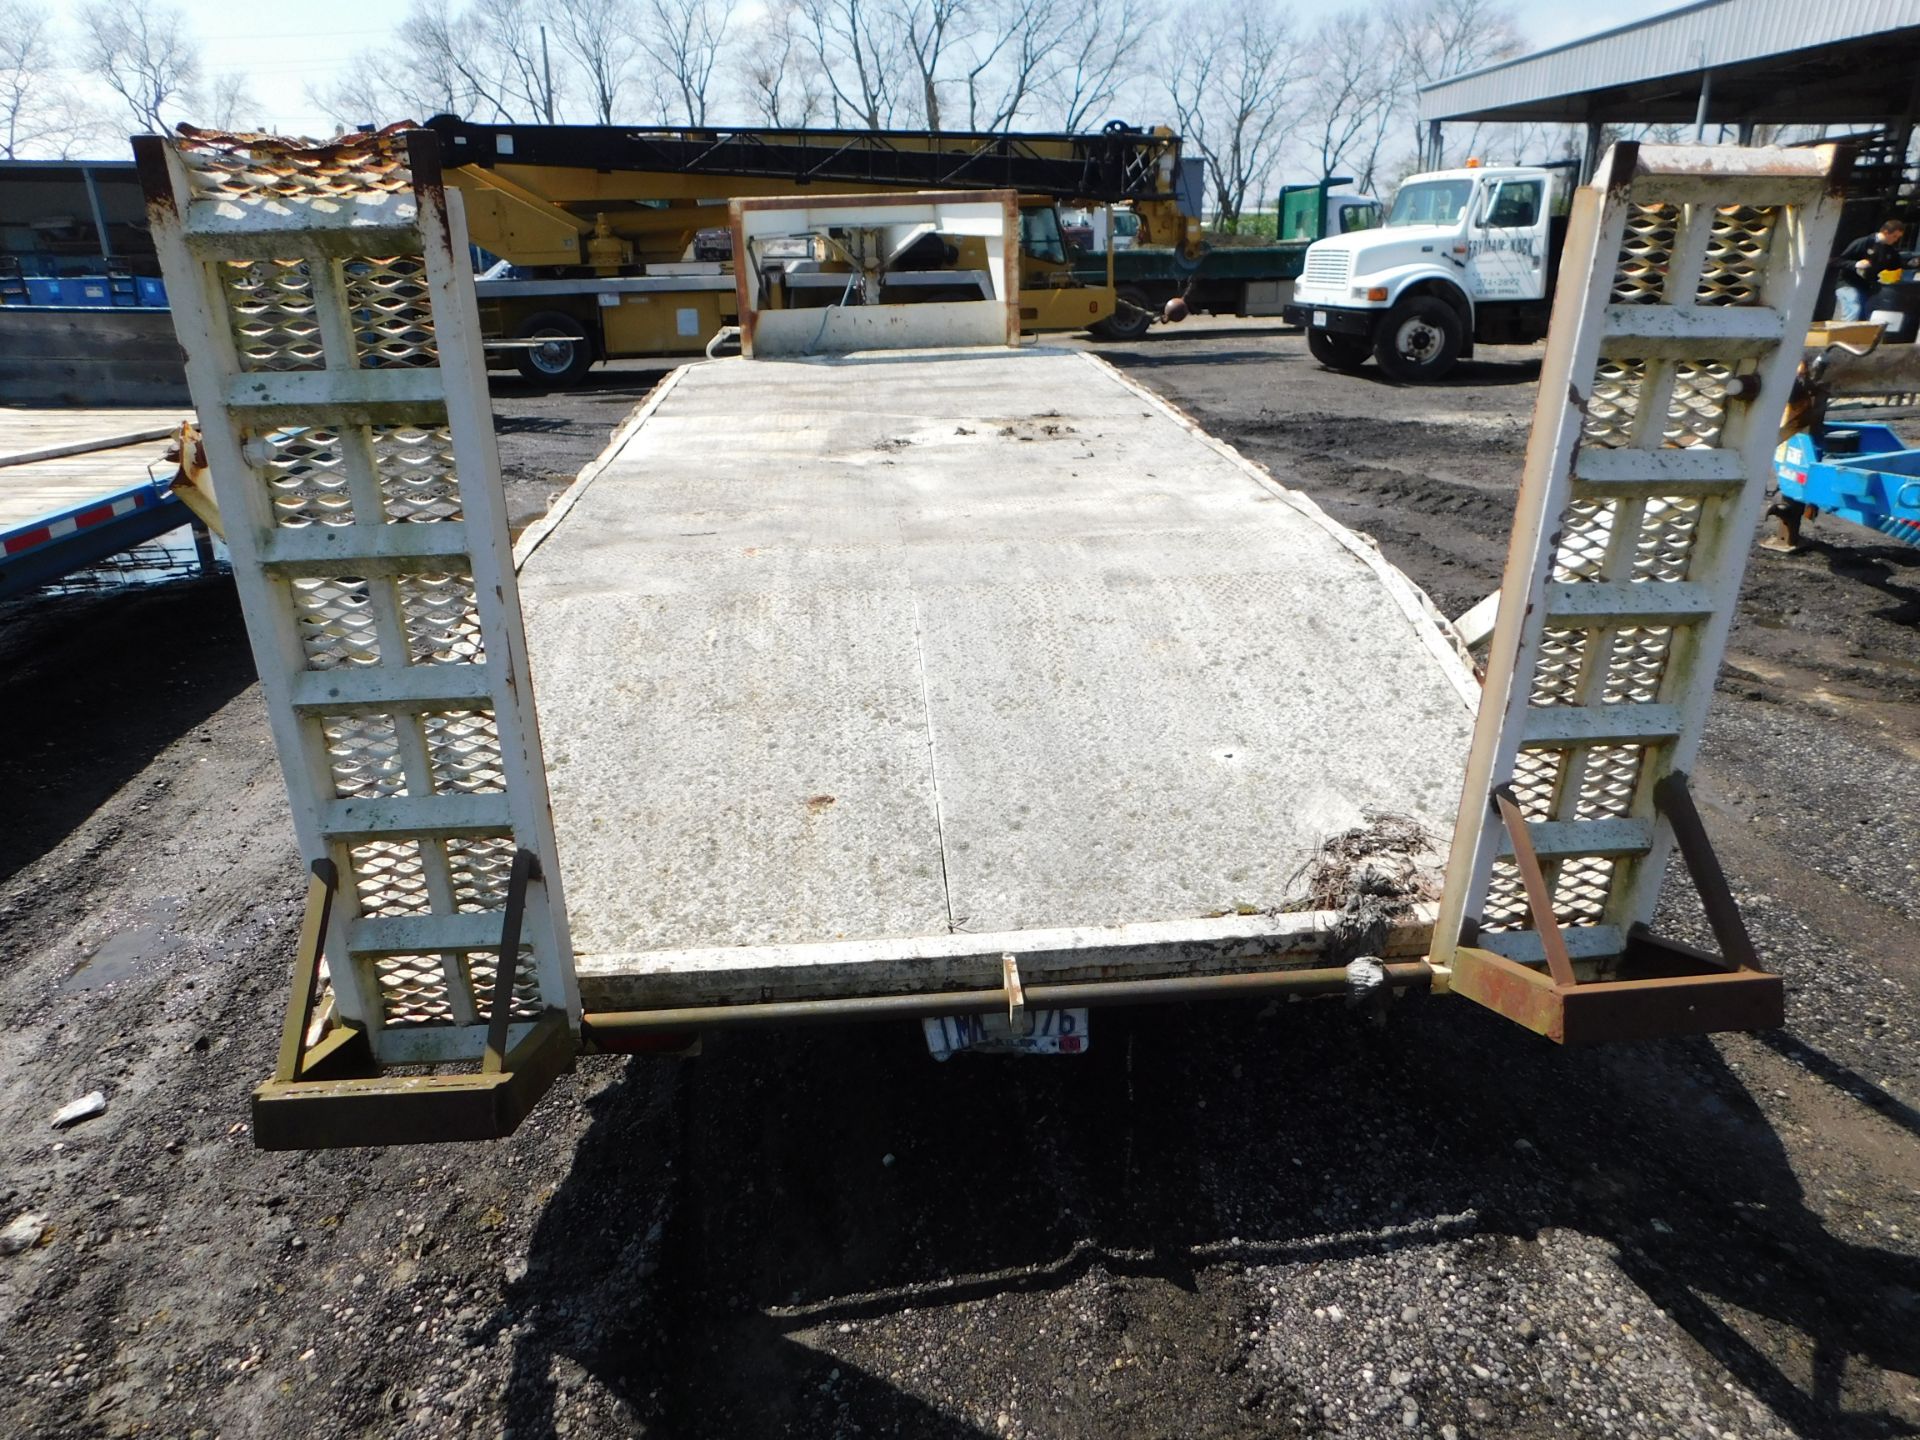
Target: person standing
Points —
{"points": [[1859, 267]]}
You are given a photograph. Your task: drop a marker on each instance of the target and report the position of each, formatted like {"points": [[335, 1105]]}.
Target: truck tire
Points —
{"points": [[1338, 352], [1125, 323], [566, 357], [1419, 339]]}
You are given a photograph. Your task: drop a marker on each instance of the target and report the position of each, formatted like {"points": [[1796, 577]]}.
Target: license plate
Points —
{"points": [[1319, 319], [1055, 1032]]}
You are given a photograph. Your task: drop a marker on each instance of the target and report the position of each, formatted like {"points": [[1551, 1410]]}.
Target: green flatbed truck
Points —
{"points": [[1229, 277]]}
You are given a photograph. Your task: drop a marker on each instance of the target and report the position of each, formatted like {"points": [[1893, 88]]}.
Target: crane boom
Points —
{"points": [[603, 223], [1113, 166]]}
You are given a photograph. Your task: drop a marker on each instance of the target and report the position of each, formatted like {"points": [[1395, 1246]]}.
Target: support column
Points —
{"points": [[1433, 145], [203, 549], [1700, 113], [99, 215], [1590, 156]]}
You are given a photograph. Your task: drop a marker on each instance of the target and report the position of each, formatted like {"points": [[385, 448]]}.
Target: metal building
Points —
{"points": [[1721, 67]]}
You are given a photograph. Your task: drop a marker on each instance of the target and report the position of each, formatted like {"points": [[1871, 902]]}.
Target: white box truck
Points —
{"points": [[1464, 256]]}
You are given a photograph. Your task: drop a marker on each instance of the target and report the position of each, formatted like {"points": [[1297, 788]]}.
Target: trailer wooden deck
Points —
{"points": [[77, 485], [855, 674]]}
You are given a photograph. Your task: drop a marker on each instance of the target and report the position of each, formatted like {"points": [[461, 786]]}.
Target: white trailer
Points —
{"points": [[947, 682], [858, 675]]}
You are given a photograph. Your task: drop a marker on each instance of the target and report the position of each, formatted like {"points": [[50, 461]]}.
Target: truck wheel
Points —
{"points": [[1419, 340], [1131, 317], [1338, 352], [566, 354]]}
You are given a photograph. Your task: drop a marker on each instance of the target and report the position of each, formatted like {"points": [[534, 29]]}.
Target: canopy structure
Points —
{"points": [[1718, 65], [74, 211]]}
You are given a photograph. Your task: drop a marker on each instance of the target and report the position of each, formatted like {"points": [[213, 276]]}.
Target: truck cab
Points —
{"points": [[1462, 256], [1227, 276]]}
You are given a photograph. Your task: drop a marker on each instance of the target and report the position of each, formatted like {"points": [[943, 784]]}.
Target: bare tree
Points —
{"points": [[781, 77], [1102, 52], [1432, 39], [437, 60], [1015, 52], [224, 101], [931, 28], [74, 128], [484, 62], [377, 88], [1351, 94], [684, 38], [861, 53], [26, 78], [1227, 89], [504, 36], [144, 54], [480, 62], [601, 37]]}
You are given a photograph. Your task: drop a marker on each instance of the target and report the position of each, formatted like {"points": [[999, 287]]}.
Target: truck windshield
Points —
{"points": [[1360, 217], [1040, 234], [1431, 202]]}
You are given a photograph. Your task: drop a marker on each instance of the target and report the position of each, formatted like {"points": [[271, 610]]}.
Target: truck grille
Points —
{"points": [[1328, 267]]}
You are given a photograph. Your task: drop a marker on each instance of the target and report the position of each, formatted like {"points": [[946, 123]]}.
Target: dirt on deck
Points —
{"points": [[1223, 1221]]}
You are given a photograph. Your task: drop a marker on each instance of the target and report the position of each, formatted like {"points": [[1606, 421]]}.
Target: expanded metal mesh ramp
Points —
{"points": [[324, 299], [1686, 286]]}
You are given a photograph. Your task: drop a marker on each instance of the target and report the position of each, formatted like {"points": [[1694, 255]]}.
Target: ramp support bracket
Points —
{"points": [[332, 1092], [1656, 986]]}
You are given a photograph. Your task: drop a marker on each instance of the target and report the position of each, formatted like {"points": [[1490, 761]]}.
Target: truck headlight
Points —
{"points": [[1369, 292]]}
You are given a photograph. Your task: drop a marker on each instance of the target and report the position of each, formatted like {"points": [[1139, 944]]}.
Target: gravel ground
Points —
{"points": [[1222, 1221]]}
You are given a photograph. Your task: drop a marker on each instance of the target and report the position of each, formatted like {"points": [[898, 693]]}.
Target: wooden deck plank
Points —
{"points": [[32, 491], [29, 436]]}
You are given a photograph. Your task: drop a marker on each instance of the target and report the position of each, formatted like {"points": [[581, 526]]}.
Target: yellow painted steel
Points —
{"points": [[540, 216]]}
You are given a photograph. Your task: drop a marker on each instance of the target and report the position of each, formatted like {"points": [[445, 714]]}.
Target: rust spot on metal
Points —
{"points": [[1625, 166], [150, 164], [1839, 169]]}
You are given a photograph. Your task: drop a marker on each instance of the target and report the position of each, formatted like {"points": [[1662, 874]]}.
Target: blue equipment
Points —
{"points": [[1862, 473]]}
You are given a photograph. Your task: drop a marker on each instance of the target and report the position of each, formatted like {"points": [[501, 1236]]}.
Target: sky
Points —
{"points": [[287, 46]]}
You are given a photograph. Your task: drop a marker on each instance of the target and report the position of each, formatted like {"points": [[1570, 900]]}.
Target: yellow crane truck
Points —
{"points": [[601, 227]]}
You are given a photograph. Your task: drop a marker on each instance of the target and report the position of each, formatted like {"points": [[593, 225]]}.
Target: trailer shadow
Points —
{"points": [[754, 1243], [1885, 568], [97, 685], [1166, 357], [1468, 374], [621, 382]]}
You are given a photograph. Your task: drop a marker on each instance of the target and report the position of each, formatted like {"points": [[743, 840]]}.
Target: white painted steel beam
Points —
{"points": [[1585, 603], [1666, 472], [384, 687], [321, 549], [1560, 839], [324, 395], [1565, 725]]}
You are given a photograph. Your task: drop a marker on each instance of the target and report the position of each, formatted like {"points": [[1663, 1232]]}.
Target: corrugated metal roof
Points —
{"points": [[1707, 35]]}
